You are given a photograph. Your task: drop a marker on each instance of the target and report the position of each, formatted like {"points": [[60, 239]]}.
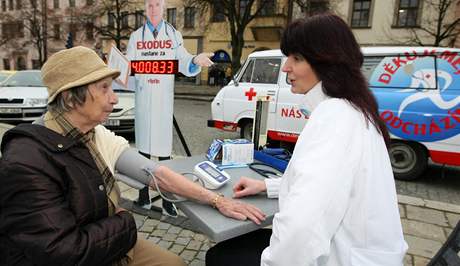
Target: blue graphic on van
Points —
{"points": [[419, 95]]}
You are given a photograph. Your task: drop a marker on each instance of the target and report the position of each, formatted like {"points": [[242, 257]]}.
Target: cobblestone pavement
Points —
{"points": [[426, 226]]}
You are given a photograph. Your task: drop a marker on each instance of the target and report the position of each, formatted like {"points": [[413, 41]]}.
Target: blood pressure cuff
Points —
{"points": [[131, 166]]}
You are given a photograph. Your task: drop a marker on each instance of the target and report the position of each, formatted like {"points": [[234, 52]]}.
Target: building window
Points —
{"points": [[18, 4], [189, 19], [171, 16], [124, 20], [407, 13], [217, 12], [269, 7], [111, 20], [243, 6], [12, 30], [33, 3], [3, 5], [57, 31], [360, 15], [11, 6], [20, 29], [89, 2], [56, 4], [139, 18], [36, 64], [89, 29], [72, 3], [6, 64]]}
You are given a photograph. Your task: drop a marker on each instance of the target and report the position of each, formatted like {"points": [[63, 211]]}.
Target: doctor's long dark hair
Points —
{"points": [[328, 45]]}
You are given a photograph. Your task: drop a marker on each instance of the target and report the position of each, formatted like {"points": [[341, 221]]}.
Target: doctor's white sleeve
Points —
{"points": [[273, 187], [184, 57], [319, 186]]}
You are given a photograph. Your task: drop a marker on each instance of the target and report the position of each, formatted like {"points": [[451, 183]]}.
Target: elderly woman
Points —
{"points": [[59, 198]]}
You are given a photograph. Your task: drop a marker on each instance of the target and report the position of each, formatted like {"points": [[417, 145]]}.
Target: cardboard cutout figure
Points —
{"points": [[156, 40]]}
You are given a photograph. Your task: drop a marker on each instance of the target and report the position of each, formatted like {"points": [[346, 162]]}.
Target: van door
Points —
{"points": [[259, 78], [289, 121], [418, 97]]}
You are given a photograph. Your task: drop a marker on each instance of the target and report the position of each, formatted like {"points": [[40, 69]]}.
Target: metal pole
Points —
{"points": [[181, 137]]}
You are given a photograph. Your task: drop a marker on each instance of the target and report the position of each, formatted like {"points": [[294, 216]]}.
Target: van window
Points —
{"points": [[247, 74], [401, 71], [266, 70]]}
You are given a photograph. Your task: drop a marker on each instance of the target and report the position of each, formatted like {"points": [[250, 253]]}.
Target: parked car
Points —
{"points": [[4, 74], [22, 97]]}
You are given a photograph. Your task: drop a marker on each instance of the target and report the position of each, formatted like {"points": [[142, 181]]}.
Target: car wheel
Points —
{"points": [[408, 160], [246, 130]]}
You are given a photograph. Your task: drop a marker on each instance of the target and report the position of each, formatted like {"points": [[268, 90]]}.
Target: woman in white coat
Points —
{"points": [[337, 198]]}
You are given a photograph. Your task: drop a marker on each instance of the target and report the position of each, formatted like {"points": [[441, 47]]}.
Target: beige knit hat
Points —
{"points": [[72, 68]]}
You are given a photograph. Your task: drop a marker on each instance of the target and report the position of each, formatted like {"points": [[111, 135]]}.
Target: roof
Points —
{"points": [[373, 50]]}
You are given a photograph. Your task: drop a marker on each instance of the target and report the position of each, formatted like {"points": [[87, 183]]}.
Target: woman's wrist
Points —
{"points": [[216, 200]]}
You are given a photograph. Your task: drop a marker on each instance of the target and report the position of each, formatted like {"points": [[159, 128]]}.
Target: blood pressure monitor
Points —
{"points": [[212, 177], [154, 67]]}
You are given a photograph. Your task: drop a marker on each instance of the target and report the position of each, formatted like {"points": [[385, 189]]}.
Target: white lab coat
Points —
{"points": [[337, 198], [155, 93]]}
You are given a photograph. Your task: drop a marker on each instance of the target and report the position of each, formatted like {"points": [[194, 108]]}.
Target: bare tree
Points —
{"points": [[239, 13], [439, 28], [110, 18], [33, 16]]}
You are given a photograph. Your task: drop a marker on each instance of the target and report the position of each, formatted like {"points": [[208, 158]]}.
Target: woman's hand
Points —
{"points": [[239, 210], [247, 186]]}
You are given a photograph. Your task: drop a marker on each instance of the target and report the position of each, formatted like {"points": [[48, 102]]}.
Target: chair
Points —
{"points": [[448, 255]]}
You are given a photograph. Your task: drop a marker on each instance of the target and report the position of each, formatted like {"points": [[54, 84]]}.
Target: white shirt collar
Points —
{"points": [[315, 96]]}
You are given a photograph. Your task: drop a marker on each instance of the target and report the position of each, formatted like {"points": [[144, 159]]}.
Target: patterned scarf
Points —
{"points": [[58, 123]]}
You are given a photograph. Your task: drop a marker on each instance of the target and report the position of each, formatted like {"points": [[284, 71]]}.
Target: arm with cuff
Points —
{"points": [[134, 166]]}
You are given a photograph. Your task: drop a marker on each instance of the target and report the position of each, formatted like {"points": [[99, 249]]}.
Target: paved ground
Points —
{"points": [[426, 225]]}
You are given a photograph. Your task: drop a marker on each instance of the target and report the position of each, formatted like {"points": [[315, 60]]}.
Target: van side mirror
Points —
{"points": [[234, 81]]}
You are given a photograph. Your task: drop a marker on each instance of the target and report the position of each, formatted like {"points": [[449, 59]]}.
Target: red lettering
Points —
{"points": [[454, 65], [397, 61], [412, 56], [298, 114], [386, 115], [405, 126], [448, 56], [447, 123], [385, 78], [168, 44], [292, 113], [422, 129], [434, 128], [284, 112], [428, 52], [396, 122], [455, 115], [389, 68]]}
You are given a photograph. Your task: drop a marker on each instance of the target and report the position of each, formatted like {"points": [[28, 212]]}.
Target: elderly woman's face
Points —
{"points": [[99, 101], [300, 74]]}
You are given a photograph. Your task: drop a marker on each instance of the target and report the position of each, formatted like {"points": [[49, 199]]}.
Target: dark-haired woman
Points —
{"points": [[337, 198]]}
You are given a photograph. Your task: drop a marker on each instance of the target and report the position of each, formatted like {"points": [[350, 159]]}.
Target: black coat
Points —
{"points": [[53, 205]]}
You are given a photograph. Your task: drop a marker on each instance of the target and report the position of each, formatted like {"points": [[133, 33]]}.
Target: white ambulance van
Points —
{"points": [[417, 88]]}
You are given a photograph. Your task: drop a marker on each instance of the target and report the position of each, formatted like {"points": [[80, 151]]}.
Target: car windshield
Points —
{"points": [[3, 76], [24, 79]]}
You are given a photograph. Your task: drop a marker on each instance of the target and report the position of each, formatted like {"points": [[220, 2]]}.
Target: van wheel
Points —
{"points": [[246, 130], [408, 159]]}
